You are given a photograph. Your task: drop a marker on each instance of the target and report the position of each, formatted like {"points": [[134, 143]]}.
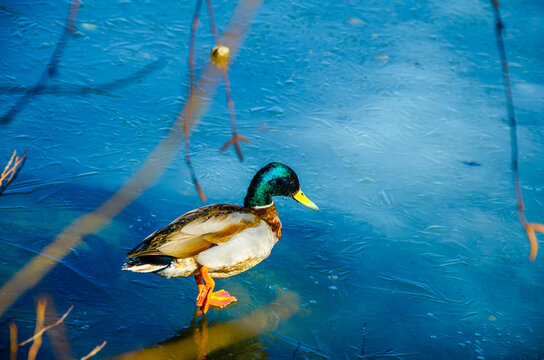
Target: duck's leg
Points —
{"points": [[206, 296], [202, 291]]}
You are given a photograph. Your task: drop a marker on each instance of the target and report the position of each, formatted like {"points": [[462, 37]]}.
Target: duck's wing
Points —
{"points": [[197, 231]]}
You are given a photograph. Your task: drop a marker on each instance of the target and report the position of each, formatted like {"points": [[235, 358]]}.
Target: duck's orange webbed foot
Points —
{"points": [[235, 139], [206, 296], [221, 299]]}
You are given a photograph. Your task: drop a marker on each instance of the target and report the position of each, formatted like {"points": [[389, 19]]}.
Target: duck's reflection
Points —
{"points": [[200, 339], [246, 348], [200, 333]]}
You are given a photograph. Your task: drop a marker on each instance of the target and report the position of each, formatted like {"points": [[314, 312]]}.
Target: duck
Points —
{"points": [[220, 240]]}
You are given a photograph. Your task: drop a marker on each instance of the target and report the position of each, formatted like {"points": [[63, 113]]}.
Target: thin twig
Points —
{"points": [[530, 228], [8, 164], [212, 23], [74, 7], [36, 334], [377, 354], [9, 318], [224, 70], [57, 336], [296, 350], [364, 339], [51, 68], [10, 170], [95, 351], [85, 89], [235, 136]]}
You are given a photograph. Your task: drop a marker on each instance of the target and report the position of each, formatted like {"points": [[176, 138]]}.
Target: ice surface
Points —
{"points": [[391, 113]]}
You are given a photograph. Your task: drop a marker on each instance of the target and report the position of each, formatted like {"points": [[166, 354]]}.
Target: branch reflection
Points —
{"points": [[206, 340]]}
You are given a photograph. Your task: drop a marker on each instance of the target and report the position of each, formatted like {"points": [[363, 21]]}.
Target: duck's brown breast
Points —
{"points": [[270, 215]]}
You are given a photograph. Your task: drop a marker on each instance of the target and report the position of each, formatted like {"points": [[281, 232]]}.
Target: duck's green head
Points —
{"points": [[275, 179]]}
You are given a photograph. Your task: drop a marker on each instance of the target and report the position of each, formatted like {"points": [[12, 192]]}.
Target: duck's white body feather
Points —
{"points": [[251, 245]]}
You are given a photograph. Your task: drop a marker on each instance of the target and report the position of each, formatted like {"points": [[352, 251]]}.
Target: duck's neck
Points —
{"points": [[259, 199], [258, 195]]}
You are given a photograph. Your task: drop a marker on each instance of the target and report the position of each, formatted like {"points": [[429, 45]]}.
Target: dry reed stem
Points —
{"points": [[5, 172], [144, 178], [212, 23], [44, 329], [38, 334], [10, 170], [236, 138], [72, 15], [40, 315], [13, 341], [50, 70], [530, 228], [95, 351]]}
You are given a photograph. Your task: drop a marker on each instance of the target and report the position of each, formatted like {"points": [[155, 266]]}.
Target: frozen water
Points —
{"points": [[391, 113]]}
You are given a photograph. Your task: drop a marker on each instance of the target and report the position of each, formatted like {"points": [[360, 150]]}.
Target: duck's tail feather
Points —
{"points": [[145, 264]]}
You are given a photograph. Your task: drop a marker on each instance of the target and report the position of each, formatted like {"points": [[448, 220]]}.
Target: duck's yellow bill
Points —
{"points": [[301, 198]]}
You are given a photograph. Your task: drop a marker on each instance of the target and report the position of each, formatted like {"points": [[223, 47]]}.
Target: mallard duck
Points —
{"points": [[220, 240]]}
